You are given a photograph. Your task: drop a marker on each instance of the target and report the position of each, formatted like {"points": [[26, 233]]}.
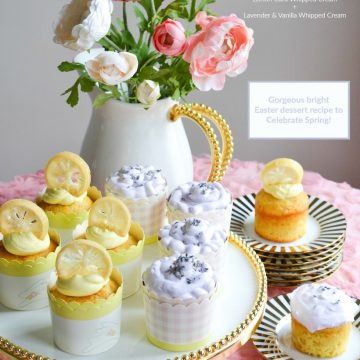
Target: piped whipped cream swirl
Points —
{"points": [[60, 197], [192, 236], [25, 243], [197, 197], [136, 182], [320, 306], [105, 237], [181, 277]]}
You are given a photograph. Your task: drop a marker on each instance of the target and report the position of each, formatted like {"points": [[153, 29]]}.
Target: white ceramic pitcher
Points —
{"points": [[127, 134]]}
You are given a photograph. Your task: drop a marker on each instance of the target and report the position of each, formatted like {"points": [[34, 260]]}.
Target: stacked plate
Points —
{"points": [[314, 257]]}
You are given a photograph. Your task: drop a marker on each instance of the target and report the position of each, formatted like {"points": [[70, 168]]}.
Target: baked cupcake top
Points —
{"points": [[181, 277], [282, 178], [198, 197], [137, 181], [321, 306], [192, 236], [67, 178], [24, 227]]}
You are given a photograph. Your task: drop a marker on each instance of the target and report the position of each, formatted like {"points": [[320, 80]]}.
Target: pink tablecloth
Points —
{"points": [[242, 178]]}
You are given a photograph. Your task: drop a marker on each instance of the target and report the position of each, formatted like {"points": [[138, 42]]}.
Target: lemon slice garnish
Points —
{"points": [[23, 216], [112, 214], [68, 171], [282, 171], [85, 258]]}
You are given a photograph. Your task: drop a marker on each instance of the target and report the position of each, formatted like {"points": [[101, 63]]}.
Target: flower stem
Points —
{"points": [[125, 16], [111, 43]]}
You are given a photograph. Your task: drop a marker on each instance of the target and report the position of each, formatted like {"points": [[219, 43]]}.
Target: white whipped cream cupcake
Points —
{"points": [[321, 319], [197, 237], [144, 190], [179, 299], [206, 200]]}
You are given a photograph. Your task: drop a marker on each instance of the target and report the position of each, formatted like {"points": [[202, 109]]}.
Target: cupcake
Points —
{"points": [[321, 317], [179, 300], [281, 207], [27, 255], [205, 200], [110, 226], [197, 237], [85, 295], [143, 189], [68, 196]]}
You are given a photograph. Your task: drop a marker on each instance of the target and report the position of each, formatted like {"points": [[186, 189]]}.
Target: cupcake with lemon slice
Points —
{"points": [[110, 226], [281, 206], [27, 255], [68, 196], [85, 295]]}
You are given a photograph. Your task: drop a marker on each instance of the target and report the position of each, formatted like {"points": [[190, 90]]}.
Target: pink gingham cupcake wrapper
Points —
{"points": [[150, 213], [179, 324], [219, 218]]}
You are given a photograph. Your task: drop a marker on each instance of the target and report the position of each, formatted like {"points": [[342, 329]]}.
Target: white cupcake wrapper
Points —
{"points": [[179, 324], [87, 337], [218, 218], [131, 273], [24, 292], [150, 212]]}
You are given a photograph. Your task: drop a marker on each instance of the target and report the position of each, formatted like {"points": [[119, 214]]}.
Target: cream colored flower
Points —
{"points": [[112, 68], [83, 22], [148, 92]]}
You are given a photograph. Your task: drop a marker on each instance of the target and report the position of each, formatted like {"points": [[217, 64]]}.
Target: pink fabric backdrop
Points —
{"points": [[243, 178]]}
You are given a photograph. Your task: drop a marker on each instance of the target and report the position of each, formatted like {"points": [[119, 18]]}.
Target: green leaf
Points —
{"points": [[142, 22], [177, 8], [86, 84], [205, 3], [66, 66], [101, 99], [73, 98]]}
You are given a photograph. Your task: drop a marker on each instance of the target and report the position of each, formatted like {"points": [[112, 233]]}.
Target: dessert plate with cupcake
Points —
{"points": [[314, 321], [293, 233]]}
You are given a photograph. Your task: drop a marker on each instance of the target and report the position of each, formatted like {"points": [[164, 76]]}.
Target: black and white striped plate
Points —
{"points": [[273, 336], [326, 226]]}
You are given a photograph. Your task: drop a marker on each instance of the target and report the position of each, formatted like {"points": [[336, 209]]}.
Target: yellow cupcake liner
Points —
{"points": [[88, 310], [134, 251], [31, 267], [151, 240]]}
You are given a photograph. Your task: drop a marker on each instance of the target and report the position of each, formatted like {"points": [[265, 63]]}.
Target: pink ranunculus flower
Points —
{"points": [[221, 48], [169, 38]]}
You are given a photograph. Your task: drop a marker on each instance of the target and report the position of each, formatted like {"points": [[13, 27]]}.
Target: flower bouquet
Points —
{"points": [[161, 60]]}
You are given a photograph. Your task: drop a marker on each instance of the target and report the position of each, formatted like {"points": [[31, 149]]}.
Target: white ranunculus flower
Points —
{"points": [[85, 56], [83, 22], [112, 68], [148, 92]]}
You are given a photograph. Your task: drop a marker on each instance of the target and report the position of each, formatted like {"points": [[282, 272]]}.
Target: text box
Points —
{"points": [[299, 110]]}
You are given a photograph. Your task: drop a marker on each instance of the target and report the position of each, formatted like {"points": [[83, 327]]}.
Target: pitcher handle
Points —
{"points": [[220, 160]]}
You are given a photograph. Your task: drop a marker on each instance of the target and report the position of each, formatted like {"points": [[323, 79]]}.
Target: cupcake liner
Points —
{"points": [[128, 262], [218, 218], [87, 328], [23, 284], [149, 212], [176, 326]]}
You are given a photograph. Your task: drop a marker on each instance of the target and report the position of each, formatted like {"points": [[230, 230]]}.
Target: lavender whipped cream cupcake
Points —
{"points": [[206, 200], [143, 189], [179, 300], [197, 237]]}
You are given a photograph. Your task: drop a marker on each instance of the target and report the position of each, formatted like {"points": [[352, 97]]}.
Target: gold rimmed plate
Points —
{"points": [[273, 336], [291, 268], [298, 264], [300, 274], [240, 308], [326, 226]]}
